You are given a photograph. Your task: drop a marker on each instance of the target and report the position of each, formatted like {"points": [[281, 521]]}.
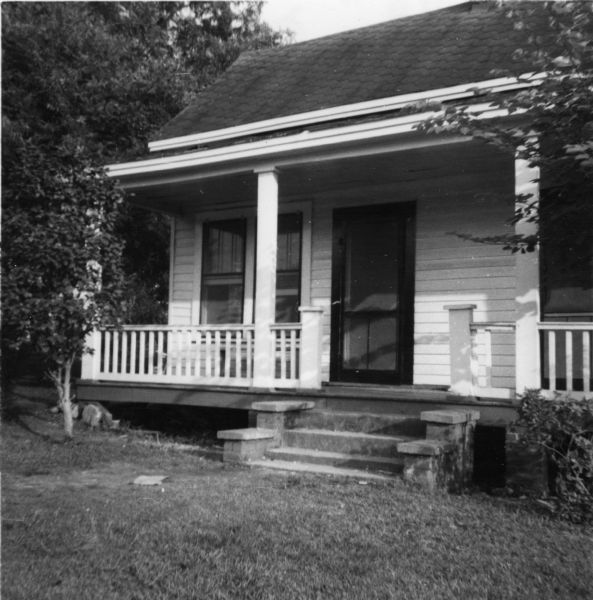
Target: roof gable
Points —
{"points": [[459, 44]]}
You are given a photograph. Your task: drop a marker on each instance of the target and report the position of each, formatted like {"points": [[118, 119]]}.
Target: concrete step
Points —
{"points": [[296, 467], [382, 464], [383, 424], [348, 442]]}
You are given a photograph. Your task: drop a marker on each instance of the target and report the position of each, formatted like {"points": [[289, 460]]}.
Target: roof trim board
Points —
{"points": [[279, 150], [457, 92]]}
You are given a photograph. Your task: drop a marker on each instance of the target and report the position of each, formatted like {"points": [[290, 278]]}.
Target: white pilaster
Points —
{"points": [[527, 298], [460, 348], [310, 367], [265, 278]]}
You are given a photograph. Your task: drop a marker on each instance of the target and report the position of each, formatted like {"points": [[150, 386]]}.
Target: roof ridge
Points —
{"points": [[461, 6]]}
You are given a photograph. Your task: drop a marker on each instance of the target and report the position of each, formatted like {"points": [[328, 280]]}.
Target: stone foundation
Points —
{"points": [[444, 460], [244, 445]]}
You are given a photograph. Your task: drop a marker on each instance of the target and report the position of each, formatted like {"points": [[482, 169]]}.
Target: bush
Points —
{"points": [[563, 426]]}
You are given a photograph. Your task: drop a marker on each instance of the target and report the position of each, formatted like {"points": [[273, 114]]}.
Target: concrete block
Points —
{"points": [[278, 415], [249, 433], [282, 406], [244, 445], [423, 447], [448, 417], [454, 434]]}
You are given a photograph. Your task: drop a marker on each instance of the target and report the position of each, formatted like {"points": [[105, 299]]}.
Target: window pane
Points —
{"points": [[224, 265], [289, 242], [288, 268], [222, 302], [567, 257], [224, 247], [287, 297], [372, 266], [370, 343]]}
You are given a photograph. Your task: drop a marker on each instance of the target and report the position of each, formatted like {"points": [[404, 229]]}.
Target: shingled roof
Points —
{"points": [[455, 45]]}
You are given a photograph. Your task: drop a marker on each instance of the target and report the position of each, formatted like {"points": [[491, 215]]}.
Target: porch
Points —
{"points": [[214, 366], [358, 261]]}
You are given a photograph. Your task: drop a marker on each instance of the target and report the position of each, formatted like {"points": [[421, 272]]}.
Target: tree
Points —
{"points": [[549, 124], [93, 81], [85, 84], [61, 270]]}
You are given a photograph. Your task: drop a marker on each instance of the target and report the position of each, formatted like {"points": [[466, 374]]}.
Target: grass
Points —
{"points": [[75, 527]]}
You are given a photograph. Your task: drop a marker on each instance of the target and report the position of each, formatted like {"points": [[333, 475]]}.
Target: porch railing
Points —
{"points": [[566, 356], [204, 354], [493, 358], [166, 354], [287, 346]]}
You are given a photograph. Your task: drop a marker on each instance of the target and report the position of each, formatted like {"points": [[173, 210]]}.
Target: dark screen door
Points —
{"points": [[372, 294]]}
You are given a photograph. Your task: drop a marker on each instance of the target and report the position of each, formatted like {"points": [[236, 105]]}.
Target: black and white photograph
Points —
{"points": [[297, 300]]}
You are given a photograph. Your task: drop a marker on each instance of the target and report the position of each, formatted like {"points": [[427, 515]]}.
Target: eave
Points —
{"points": [[368, 137], [373, 107]]}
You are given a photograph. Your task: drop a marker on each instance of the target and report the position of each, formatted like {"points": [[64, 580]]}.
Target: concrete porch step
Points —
{"points": [[348, 442], [382, 464], [365, 422], [297, 467]]}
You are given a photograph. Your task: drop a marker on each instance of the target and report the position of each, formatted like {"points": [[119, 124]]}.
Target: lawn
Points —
{"points": [[74, 526]]}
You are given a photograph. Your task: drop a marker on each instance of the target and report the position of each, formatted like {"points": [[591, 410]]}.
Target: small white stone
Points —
{"points": [[149, 479]]}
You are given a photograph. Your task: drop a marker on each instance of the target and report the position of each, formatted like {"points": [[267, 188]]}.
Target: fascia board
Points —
{"points": [[285, 146], [467, 90]]}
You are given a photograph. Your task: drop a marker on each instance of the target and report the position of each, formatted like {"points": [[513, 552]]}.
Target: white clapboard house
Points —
{"points": [[319, 243]]}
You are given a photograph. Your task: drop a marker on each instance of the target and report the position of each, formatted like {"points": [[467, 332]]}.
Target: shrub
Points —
{"points": [[563, 426]]}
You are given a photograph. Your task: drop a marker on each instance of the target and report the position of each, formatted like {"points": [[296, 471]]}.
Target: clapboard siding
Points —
{"points": [[454, 270], [449, 269], [182, 276]]}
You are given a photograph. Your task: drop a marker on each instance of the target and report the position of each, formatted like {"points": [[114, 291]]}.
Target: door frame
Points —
{"points": [[406, 211]]}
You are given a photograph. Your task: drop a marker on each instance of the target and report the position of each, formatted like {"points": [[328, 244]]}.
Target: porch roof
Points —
{"points": [[456, 45]]}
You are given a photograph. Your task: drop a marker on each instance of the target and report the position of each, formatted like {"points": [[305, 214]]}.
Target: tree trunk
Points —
{"points": [[62, 380], [66, 401]]}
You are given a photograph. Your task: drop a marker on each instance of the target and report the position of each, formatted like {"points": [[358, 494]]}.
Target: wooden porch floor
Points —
{"points": [[344, 397]]}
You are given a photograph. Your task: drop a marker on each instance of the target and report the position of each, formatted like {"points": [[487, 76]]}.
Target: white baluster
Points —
{"points": [[569, 382], [217, 353], [227, 354], [198, 340], [151, 352], [552, 359], [159, 355], [178, 352], [208, 354], [115, 355], [586, 361], [142, 353], [293, 353], [133, 348], [107, 355], [282, 353]]}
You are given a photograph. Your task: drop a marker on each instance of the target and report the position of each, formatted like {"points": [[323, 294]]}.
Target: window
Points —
{"points": [[288, 268], [223, 272], [567, 262]]}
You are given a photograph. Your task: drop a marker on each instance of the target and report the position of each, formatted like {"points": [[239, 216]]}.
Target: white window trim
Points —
{"points": [[249, 214]]}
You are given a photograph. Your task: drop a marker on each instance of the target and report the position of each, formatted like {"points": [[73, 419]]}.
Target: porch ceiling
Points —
{"points": [[318, 178]]}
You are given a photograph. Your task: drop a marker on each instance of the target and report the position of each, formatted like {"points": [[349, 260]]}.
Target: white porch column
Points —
{"points": [[527, 300], [310, 356], [265, 277], [460, 348], [90, 363]]}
